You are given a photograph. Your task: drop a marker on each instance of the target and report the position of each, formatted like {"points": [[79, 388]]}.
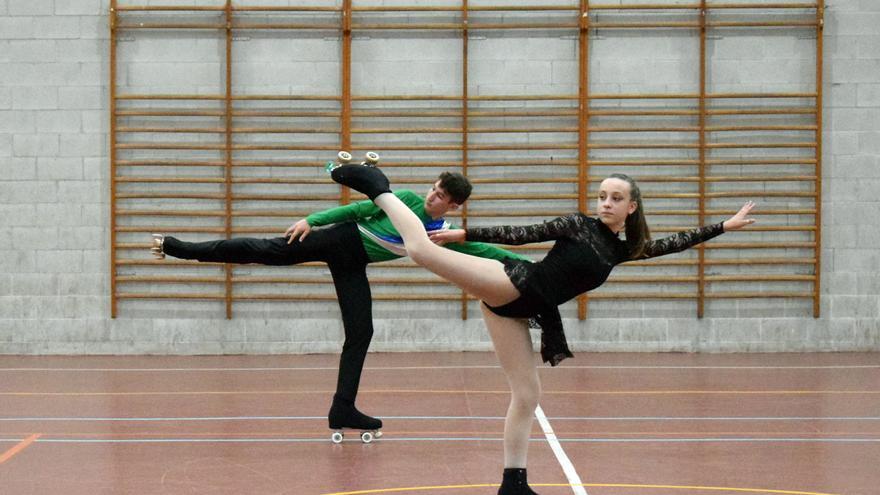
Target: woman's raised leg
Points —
{"points": [[480, 277]]}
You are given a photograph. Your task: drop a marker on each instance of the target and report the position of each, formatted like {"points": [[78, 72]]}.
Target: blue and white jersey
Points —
{"points": [[395, 244]]}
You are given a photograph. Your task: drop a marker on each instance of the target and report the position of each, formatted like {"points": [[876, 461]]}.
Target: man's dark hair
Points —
{"points": [[456, 185]]}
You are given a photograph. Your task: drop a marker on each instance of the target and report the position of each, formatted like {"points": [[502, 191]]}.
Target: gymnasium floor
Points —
{"points": [[616, 424]]}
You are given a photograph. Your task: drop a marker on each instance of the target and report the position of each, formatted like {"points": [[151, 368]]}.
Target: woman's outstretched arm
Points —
{"points": [[550, 230], [687, 239]]}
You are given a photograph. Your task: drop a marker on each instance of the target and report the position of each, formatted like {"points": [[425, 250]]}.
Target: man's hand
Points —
{"points": [[739, 220], [442, 237], [298, 230]]}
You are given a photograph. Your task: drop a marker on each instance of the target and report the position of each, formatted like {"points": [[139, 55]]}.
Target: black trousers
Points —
{"points": [[339, 246]]}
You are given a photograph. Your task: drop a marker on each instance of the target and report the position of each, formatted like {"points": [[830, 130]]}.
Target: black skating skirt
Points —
{"points": [[543, 316]]}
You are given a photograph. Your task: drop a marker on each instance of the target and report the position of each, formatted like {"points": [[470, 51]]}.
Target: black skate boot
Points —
{"points": [[343, 415], [365, 179], [514, 483], [167, 245]]}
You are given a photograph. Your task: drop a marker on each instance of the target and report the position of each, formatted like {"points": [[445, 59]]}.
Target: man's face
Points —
{"points": [[438, 202]]}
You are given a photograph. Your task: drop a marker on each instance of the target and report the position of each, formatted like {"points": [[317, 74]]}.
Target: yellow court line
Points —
{"points": [[593, 485], [18, 447], [705, 488], [485, 392]]}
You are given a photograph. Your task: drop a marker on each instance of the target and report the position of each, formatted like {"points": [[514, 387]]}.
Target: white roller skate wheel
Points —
{"points": [[343, 157], [372, 158], [158, 246], [377, 434], [366, 437], [336, 437]]}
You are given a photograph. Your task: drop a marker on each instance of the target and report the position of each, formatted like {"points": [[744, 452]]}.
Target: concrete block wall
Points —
{"points": [[54, 189]]}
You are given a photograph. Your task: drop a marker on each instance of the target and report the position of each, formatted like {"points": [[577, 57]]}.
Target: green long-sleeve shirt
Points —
{"points": [[378, 233]]}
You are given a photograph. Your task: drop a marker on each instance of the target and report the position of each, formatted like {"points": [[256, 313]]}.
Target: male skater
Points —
{"points": [[356, 235]]}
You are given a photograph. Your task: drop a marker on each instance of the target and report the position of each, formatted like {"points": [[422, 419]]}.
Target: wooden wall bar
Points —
{"points": [[228, 164]]}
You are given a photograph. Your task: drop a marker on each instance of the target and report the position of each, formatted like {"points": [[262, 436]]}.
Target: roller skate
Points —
{"points": [[365, 178], [371, 159], [342, 158], [514, 482], [344, 416], [158, 247]]}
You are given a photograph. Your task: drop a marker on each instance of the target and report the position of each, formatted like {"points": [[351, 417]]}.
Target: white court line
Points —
{"points": [[394, 368], [570, 473], [452, 439], [445, 418]]}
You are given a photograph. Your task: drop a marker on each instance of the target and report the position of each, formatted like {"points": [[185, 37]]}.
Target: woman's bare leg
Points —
{"points": [[482, 278], [513, 346]]}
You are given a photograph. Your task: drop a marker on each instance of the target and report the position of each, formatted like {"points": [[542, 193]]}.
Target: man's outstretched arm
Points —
{"points": [[348, 213]]}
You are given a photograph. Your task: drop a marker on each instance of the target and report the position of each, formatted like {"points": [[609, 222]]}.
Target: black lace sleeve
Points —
{"points": [[682, 240], [550, 230]]}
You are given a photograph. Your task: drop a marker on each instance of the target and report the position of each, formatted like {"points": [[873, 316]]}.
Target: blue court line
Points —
{"points": [[446, 439], [456, 418]]}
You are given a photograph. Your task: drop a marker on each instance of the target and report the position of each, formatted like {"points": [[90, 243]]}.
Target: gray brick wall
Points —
{"points": [[54, 190]]}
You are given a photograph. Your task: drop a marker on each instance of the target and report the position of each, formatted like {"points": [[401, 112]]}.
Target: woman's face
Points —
{"points": [[614, 203]]}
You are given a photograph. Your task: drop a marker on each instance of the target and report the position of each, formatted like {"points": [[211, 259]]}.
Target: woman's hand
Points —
{"points": [[442, 237], [300, 229], [739, 220]]}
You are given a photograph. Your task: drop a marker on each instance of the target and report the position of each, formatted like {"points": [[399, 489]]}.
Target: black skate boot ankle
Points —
{"points": [[514, 483], [368, 180], [166, 244], [343, 414]]}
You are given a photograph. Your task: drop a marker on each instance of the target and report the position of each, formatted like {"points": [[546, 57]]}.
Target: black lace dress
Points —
{"points": [[580, 260]]}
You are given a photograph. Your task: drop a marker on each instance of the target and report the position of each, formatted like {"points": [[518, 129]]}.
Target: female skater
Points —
{"points": [[585, 251]]}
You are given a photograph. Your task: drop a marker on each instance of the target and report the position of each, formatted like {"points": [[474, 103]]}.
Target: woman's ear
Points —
{"points": [[633, 206]]}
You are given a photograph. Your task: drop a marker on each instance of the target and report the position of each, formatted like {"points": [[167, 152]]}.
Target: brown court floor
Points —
{"points": [[628, 424]]}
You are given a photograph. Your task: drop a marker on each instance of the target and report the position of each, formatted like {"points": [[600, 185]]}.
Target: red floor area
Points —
{"points": [[630, 424]]}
